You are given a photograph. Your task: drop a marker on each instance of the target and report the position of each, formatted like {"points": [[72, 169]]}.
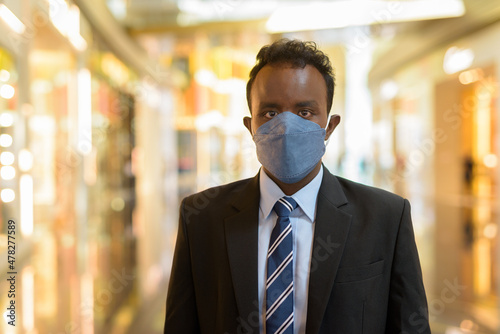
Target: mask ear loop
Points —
{"points": [[326, 127]]}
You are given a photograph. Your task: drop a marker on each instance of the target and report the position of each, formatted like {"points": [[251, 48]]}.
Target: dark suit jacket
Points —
{"points": [[365, 273]]}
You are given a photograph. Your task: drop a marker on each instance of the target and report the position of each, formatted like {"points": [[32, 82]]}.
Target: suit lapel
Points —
{"points": [[241, 231], [330, 234]]}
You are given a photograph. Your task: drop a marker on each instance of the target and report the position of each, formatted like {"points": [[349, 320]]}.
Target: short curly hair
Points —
{"points": [[297, 54]]}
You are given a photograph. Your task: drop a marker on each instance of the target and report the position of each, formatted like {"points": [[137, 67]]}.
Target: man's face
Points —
{"points": [[280, 88]]}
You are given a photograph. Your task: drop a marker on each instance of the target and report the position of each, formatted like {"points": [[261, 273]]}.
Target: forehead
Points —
{"points": [[283, 83]]}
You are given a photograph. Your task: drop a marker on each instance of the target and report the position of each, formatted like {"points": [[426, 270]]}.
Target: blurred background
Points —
{"points": [[111, 111]]}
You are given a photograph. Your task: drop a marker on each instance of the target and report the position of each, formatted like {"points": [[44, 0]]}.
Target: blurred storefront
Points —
{"points": [[16, 180], [69, 163], [440, 115]]}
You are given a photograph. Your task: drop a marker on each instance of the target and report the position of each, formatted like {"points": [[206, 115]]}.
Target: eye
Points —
{"points": [[305, 113], [270, 114]]}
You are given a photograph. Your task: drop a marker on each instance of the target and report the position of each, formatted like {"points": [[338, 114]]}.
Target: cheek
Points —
{"points": [[256, 125], [320, 121], [254, 128]]}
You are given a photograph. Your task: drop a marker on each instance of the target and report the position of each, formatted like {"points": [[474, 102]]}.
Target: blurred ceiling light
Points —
{"points": [[7, 158], [78, 42], [389, 89], [11, 20], [4, 75], [338, 14], [118, 8], [198, 11], [58, 13], [490, 160], [7, 91], [456, 59], [25, 160], [468, 77], [5, 140], [7, 195], [73, 31], [6, 119], [66, 19], [7, 172]]}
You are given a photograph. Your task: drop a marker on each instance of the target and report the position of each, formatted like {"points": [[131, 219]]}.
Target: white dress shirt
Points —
{"points": [[302, 220]]}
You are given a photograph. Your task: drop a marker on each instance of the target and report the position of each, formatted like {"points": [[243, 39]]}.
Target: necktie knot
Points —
{"points": [[284, 206]]}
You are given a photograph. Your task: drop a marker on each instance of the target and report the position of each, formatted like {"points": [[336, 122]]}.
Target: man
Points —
{"points": [[294, 249]]}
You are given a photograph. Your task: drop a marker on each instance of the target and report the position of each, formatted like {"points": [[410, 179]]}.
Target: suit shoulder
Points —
{"points": [[220, 193], [358, 191], [209, 206]]}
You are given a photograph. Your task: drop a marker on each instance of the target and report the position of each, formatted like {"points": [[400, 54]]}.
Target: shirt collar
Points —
{"points": [[306, 197]]}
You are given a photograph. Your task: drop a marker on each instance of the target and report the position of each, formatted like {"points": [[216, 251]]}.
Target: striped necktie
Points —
{"points": [[279, 283]]}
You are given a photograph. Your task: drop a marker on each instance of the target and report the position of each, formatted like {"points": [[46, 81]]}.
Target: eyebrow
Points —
{"points": [[264, 105], [311, 103]]}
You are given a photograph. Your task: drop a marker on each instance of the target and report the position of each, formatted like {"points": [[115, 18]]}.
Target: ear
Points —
{"points": [[247, 121], [334, 121]]}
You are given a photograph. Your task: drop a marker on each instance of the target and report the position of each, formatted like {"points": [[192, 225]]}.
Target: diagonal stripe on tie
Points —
{"points": [[288, 322], [279, 283], [280, 238], [286, 203], [279, 270], [279, 300]]}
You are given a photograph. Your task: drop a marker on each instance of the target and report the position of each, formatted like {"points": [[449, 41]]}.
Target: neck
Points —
{"points": [[291, 188]]}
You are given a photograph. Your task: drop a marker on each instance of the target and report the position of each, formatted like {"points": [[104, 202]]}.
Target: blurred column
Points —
{"points": [[358, 106], [155, 161], [448, 178]]}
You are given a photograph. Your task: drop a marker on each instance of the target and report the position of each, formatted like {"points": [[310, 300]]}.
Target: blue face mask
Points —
{"points": [[289, 146]]}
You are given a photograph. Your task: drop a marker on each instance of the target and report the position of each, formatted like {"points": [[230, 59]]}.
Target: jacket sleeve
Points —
{"points": [[181, 313], [407, 309]]}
